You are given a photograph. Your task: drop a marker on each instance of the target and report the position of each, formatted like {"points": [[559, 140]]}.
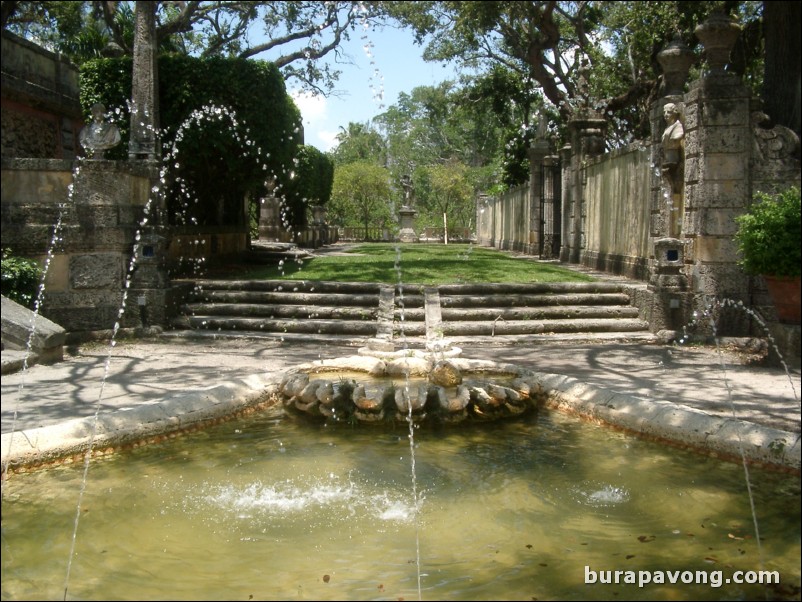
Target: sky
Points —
{"points": [[385, 63]]}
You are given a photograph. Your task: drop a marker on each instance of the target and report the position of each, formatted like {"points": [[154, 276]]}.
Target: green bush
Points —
{"points": [[221, 161], [769, 235], [20, 279]]}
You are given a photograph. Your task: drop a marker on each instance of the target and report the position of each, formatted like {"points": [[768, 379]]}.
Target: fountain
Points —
{"points": [[274, 507], [518, 502]]}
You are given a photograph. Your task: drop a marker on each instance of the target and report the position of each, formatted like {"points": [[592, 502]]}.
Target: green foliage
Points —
{"points": [[229, 123], [361, 196], [360, 142], [311, 184], [769, 235], [20, 279], [446, 189], [582, 57]]}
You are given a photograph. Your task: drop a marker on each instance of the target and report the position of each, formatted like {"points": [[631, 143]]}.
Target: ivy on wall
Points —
{"points": [[227, 126]]}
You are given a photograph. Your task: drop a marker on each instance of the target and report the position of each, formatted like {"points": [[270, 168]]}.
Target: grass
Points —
{"points": [[413, 263]]}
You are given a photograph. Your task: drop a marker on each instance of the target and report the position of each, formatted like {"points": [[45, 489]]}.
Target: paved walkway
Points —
{"points": [[144, 372]]}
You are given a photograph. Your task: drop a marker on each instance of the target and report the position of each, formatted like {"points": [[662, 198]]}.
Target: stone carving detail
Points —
{"points": [[773, 144], [100, 135]]}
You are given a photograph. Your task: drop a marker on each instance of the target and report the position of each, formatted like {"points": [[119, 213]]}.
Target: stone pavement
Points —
{"points": [[153, 372]]}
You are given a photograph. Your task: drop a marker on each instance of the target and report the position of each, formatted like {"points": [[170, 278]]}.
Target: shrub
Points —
{"points": [[769, 235], [20, 279]]}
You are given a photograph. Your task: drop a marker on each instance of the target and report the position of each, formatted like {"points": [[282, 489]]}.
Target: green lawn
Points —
{"points": [[414, 263]]}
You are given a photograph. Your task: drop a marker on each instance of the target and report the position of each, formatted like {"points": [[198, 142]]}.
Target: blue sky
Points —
{"points": [[385, 63]]}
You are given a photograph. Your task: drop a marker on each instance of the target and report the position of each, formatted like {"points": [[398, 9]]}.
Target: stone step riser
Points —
{"points": [[353, 309]]}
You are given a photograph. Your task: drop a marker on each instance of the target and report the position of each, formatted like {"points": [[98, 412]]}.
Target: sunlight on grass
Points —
{"points": [[416, 263]]}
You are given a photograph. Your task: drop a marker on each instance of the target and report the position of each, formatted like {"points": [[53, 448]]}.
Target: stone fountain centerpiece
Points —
{"points": [[402, 387]]}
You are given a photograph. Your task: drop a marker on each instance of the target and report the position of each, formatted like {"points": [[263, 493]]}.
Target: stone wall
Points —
{"points": [[41, 111], [617, 212], [623, 213], [503, 222], [82, 225]]}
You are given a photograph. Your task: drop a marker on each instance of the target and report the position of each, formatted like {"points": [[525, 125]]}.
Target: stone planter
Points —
{"points": [[785, 292]]}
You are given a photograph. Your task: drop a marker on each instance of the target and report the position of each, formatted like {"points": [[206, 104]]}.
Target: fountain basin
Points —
{"points": [[654, 419]]}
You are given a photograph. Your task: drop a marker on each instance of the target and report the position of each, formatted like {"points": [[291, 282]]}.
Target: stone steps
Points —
{"points": [[412, 314]]}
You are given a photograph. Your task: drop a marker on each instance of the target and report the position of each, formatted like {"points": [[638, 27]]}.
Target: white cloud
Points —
{"points": [[314, 115], [313, 108], [327, 138]]}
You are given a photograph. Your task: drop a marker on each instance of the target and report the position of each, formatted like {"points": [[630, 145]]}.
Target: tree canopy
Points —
{"points": [[293, 35]]}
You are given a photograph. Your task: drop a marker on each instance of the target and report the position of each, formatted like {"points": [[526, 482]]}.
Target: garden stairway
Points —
{"points": [[412, 315], [254, 307]]}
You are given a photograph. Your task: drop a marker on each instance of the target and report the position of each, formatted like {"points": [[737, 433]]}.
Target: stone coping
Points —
{"points": [[661, 420]]}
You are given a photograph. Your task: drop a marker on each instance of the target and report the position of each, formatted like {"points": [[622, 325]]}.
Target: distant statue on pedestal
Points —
{"points": [[407, 213], [99, 135], [406, 184]]}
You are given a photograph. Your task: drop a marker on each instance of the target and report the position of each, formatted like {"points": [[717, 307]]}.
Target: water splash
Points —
{"points": [[708, 318]]}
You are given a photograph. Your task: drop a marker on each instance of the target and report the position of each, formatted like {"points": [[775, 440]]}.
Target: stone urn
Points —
{"points": [[675, 60], [718, 35]]}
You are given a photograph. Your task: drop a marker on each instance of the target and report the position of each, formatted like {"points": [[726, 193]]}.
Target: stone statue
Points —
{"points": [[406, 184], [673, 166], [99, 135], [673, 136]]}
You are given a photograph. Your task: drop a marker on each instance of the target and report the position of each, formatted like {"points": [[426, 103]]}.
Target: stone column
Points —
{"points": [[537, 153], [587, 140], [144, 85], [668, 281], [717, 189], [567, 202]]}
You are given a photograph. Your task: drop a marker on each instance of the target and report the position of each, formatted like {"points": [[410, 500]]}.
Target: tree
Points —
{"points": [[360, 142], [449, 194], [592, 58], [294, 35], [781, 82], [361, 196]]}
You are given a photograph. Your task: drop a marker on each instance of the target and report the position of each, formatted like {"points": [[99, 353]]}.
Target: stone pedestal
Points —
{"points": [[672, 301], [270, 228], [407, 232], [149, 282]]}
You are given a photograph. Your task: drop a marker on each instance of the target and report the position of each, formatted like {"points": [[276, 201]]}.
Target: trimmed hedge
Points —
{"points": [[237, 128]]}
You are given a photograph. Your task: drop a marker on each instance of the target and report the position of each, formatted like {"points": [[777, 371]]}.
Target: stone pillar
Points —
{"points": [[718, 141], [587, 140], [144, 85], [538, 151], [668, 281], [270, 228], [567, 202], [147, 297]]}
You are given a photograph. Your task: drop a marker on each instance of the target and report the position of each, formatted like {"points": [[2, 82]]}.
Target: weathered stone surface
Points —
{"points": [[325, 393], [309, 393], [408, 366], [365, 402], [414, 396], [446, 374], [460, 401], [293, 384], [95, 271]]}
